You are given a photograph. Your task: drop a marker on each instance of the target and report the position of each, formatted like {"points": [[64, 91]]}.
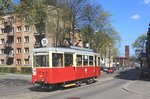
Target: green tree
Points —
{"points": [[5, 6], [139, 44]]}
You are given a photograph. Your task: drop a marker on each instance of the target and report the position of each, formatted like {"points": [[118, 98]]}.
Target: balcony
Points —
{"points": [[37, 44], [10, 55], [39, 34], [10, 34], [8, 45], [7, 23]]}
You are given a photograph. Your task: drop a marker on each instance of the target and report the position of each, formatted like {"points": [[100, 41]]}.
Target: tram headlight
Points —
{"points": [[34, 71]]}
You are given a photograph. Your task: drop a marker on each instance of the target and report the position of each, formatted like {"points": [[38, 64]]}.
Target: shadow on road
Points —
{"points": [[38, 89], [129, 74]]}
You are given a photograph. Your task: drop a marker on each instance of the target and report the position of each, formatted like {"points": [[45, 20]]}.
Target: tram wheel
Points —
{"points": [[78, 83], [90, 81], [37, 85]]}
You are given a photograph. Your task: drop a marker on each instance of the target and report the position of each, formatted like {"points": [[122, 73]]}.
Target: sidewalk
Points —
{"points": [[139, 87]]}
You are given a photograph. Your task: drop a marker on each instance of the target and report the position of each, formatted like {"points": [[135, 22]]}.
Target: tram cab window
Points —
{"points": [[57, 60], [41, 61], [85, 60], [68, 59], [91, 60], [79, 60]]}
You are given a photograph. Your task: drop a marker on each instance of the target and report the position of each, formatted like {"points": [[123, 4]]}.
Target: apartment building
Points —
{"points": [[18, 38]]}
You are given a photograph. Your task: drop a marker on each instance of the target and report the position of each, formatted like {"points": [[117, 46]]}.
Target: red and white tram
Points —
{"points": [[56, 66]]}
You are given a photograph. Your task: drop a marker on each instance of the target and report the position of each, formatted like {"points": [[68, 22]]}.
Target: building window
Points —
{"points": [[26, 50], [11, 19], [18, 50], [2, 51], [18, 39], [2, 61], [12, 30], [26, 28], [3, 31], [26, 39], [26, 61], [18, 28], [2, 41], [3, 20], [18, 61]]}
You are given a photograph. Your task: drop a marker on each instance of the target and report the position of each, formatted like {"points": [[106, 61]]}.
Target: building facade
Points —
{"points": [[16, 41], [18, 38], [124, 60]]}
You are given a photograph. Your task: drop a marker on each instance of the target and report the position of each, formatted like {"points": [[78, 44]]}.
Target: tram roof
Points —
{"points": [[71, 49]]}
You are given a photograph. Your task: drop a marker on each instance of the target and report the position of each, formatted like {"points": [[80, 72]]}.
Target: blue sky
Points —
{"points": [[129, 17]]}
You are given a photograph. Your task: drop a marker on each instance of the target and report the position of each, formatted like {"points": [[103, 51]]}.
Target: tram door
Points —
{"points": [[97, 65]]}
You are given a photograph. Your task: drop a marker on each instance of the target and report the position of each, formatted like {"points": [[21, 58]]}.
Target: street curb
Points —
{"points": [[133, 91]]}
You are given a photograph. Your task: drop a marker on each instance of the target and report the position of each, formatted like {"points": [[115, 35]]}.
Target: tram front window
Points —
{"points": [[41, 61]]}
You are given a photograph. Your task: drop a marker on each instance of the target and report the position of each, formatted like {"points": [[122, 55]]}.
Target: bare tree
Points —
{"points": [[73, 10]]}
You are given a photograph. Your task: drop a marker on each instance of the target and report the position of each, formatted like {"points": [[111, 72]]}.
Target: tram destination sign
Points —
{"points": [[44, 42]]}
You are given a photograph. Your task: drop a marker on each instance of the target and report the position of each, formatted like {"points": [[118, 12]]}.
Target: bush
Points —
{"points": [[8, 69], [13, 69], [26, 70]]}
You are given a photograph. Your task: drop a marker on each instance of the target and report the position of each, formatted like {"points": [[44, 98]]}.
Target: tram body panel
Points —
{"points": [[54, 75], [62, 74], [41, 75], [59, 75], [85, 72], [97, 73]]}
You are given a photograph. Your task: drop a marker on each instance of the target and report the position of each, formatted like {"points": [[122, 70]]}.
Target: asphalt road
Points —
{"points": [[108, 86]]}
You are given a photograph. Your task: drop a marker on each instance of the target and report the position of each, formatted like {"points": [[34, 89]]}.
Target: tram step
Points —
{"points": [[69, 85]]}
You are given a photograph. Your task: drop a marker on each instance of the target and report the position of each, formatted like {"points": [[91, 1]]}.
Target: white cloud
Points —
{"points": [[136, 16], [146, 1]]}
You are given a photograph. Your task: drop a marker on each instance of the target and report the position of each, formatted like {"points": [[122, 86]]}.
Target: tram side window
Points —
{"points": [[98, 61], [91, 60], [41, 61], [68, 60], [57, 60], [85, 60], [79, 60]]}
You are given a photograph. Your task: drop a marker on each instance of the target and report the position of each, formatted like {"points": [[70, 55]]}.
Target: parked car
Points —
{"points": [[105, 69], [110, 70]]}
